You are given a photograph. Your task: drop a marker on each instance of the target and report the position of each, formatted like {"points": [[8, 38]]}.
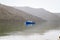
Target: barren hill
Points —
{"points": [[52, 20], [12, 19]]}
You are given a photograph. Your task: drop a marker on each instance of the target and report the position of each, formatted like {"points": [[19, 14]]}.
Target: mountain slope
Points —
{"points": [[58, 14], [12, 19], [40, 12], [10, 22], [52, 20]]}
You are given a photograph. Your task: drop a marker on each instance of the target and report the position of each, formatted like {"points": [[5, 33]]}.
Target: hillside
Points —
{"points": [[12, 19], [58, 14], [52, 20], [40, 12]]}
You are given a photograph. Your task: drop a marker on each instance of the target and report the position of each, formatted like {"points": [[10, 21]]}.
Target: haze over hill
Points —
{"points": [[52, 20], [12, 19], [40, 12], [58, 14]]}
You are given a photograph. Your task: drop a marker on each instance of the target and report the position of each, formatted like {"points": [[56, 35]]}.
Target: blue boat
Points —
{"points": [[29, 23]]}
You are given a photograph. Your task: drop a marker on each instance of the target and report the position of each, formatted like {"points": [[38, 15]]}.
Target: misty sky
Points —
{"points": [[50, 5]]}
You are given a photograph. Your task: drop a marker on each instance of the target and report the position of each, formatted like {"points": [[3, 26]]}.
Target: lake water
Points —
{"points": [[50, 35]]}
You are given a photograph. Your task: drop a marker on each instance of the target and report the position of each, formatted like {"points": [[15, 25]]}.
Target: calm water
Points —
{"points": [[50, 35]]}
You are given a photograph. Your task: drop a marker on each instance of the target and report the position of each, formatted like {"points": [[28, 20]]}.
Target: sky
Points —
{"points": [[50, 5]]}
